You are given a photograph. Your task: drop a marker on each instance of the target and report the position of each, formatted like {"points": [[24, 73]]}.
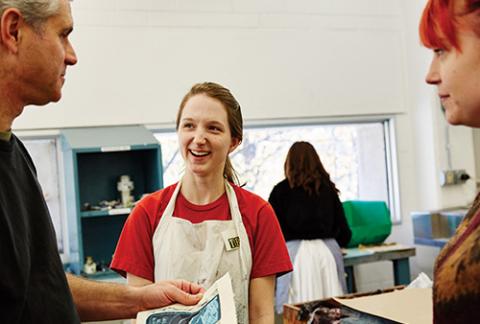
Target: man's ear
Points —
{"points": [[10, 24]]}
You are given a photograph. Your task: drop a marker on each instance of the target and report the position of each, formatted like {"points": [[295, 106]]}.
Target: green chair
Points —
{"points": [[369, 221]]}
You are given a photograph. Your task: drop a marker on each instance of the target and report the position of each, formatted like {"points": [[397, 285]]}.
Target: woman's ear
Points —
{"points": [[11, 22], [235, 143]]}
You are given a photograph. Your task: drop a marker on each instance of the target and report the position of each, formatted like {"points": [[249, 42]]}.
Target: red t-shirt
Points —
{"points": [[134, 252]]}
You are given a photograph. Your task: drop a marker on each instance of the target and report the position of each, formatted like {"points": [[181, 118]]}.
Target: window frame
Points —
{"points": [[387, 121], [55, 136]]}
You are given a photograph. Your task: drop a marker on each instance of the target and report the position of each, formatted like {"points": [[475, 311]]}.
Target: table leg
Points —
{"points": [[401, 271], [351, 286]]}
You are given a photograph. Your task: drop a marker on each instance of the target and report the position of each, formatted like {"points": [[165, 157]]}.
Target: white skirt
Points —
{"points": [[314, 273]]}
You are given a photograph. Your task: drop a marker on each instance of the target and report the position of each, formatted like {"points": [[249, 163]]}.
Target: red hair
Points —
{"points": [[441, 20]]}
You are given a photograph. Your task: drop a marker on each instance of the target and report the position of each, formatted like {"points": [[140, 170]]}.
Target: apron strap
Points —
{"points": [[168, 212], [245, 252]]}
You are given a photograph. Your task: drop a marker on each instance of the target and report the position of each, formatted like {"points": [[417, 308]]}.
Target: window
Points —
{"points": [[45, 157], [358, 157]]}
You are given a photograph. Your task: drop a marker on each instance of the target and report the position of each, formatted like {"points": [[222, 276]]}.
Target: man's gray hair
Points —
{"points": [[35, 12]]}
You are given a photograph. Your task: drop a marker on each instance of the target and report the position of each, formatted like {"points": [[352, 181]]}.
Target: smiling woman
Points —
{"points": [[205, 138], [205, 211], [221, 98]]}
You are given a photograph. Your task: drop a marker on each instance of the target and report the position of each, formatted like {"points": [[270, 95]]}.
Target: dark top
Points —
{"points": [[456, 284], [304, 217], [33, 286]]}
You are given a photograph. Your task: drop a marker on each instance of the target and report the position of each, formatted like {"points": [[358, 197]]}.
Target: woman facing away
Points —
{"points": [[184, 230], [311, 216], [451, 28]]}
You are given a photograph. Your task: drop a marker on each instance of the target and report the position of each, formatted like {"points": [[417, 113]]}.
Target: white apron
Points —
{"points": [[204, 252]]}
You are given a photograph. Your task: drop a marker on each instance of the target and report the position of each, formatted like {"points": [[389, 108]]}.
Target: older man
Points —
{"points": [[35, 52]]}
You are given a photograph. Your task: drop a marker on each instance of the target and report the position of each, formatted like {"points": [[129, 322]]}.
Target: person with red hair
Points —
{"points": [[452, 30]]}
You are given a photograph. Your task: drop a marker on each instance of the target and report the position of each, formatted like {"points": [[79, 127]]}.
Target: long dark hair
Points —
{"points": [[303, 168]]}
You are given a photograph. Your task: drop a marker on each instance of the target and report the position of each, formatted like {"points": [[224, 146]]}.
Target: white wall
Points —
{"points": [[476, 147], [282, 59]]}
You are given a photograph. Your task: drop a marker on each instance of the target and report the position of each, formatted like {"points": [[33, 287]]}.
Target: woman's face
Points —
{"points": [[204, 136], [457, 77]]}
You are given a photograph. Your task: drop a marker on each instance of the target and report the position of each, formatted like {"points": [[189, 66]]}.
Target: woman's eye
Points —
{"points": [[215, 128], [438, 51], [188, 125]]}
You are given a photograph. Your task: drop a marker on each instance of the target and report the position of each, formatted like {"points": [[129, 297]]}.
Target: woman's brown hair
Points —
{"points": [[234, 116], [303, 168]]}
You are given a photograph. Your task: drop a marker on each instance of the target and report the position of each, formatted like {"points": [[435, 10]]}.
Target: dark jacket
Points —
{"points": [[304, 217]]}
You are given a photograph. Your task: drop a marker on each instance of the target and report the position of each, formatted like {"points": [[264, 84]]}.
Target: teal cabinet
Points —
{"points": [[94, 159]]}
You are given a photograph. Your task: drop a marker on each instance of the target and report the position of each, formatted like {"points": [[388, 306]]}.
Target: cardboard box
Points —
{"points": [[436, 224], [295, 314]]}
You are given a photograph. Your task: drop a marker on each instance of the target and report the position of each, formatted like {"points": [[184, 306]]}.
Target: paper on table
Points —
{"points": [[386, 248], [422, 281], [371, 249], [405, 306], [216, 306], [355, 252]]}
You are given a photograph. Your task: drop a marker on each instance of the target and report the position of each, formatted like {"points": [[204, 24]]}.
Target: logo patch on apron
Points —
{"points": [[231, 239], [234, 242]]}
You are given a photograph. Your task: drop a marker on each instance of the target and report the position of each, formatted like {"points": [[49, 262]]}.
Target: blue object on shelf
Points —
{"points": [[434, 228]]}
